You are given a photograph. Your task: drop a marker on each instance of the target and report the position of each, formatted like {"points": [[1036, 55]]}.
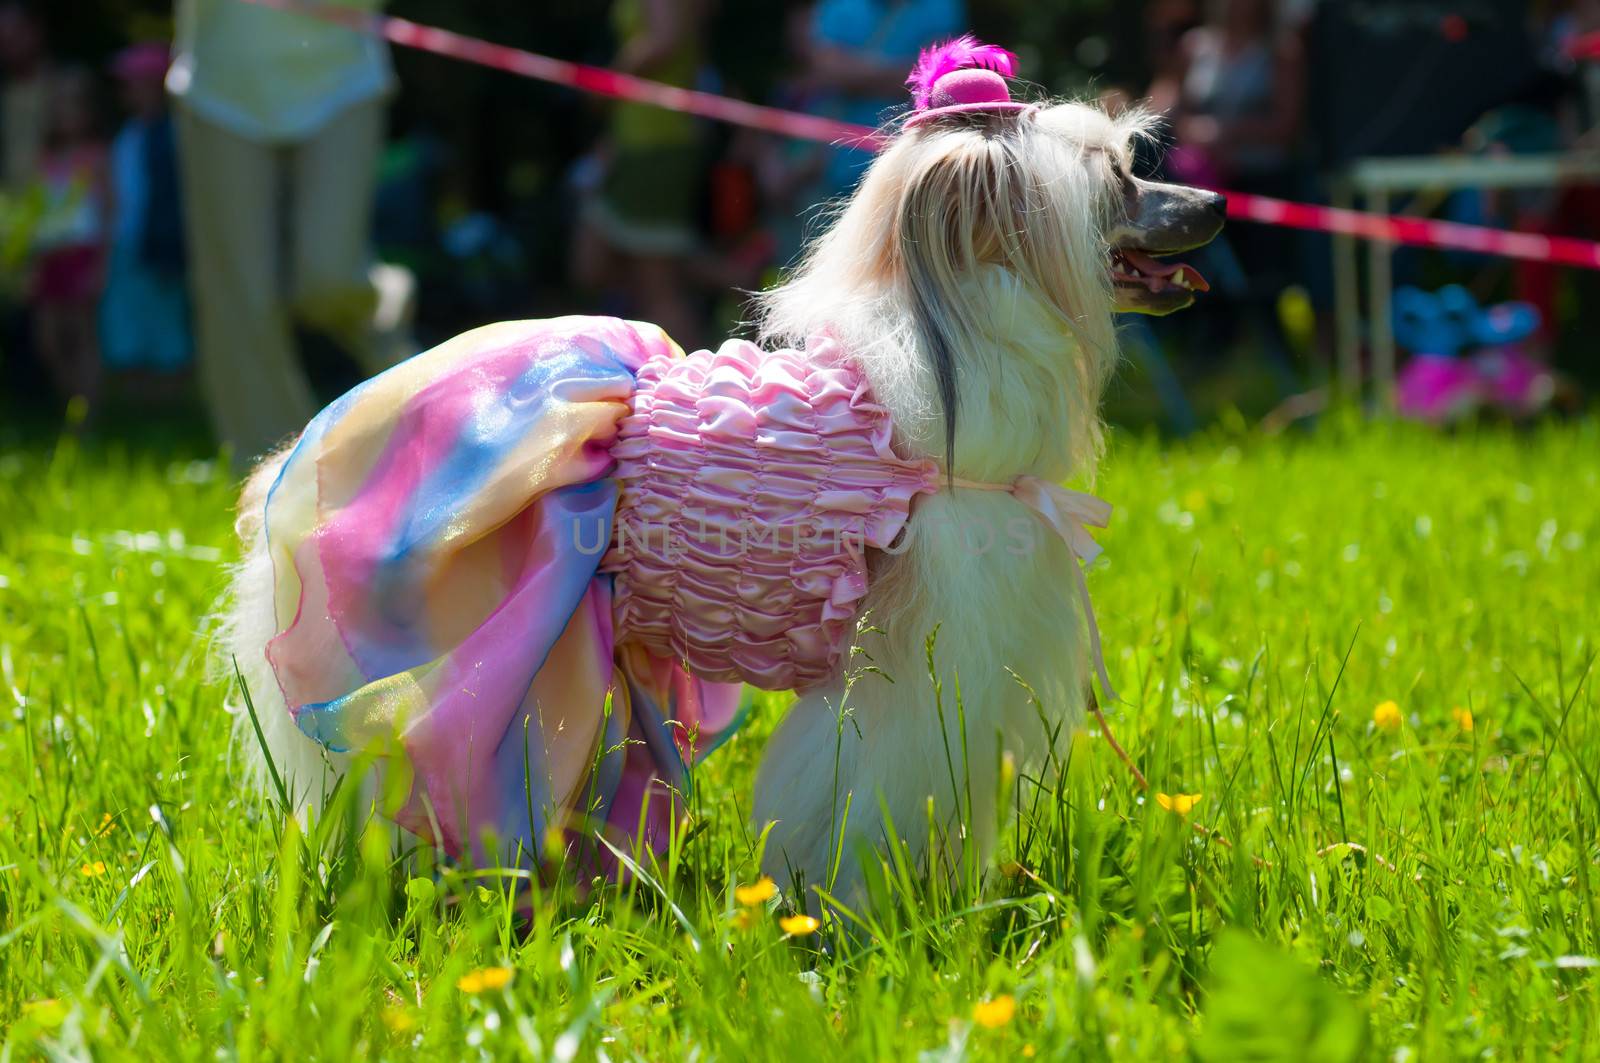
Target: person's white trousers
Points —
{"points": [[279, 234]]}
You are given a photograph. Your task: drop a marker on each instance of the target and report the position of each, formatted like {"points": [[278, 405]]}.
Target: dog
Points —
{"points": [[970, 284]]}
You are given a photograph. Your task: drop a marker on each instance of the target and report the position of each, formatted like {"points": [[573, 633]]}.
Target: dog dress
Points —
{"points": [[529, 569]]}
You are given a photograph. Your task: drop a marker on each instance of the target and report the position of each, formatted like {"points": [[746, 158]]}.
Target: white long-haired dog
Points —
{"points": [[972, 279]]}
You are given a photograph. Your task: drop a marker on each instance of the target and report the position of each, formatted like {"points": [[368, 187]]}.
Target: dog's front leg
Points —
{"points": [[912, 752], [850, 775], [808, 768]]}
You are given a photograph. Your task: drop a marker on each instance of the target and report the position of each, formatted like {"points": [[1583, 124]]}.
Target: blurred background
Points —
{"points": [[217, 217]]}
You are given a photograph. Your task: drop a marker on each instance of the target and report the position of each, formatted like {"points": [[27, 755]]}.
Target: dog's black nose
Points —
{"points": [[1219, 203]]}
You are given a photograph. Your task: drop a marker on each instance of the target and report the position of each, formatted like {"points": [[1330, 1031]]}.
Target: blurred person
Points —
{"points": [[24, 94], [854, 54], [1233, 89], [69, 238], [1167, 23], [638, 229], [1235, 93], [144, 313], [1547, 118], [280, 127]]}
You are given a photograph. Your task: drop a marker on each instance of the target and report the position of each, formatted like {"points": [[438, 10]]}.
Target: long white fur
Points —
{"points": [[304, 766], [1004, 218], [999, 224]]}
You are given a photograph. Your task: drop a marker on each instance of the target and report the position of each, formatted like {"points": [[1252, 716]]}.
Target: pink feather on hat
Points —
{"points": [[963, 53]]}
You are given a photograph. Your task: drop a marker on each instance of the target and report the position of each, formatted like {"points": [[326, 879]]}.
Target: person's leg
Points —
{"points": [[250, 377], [645, 209], [333, 175]]}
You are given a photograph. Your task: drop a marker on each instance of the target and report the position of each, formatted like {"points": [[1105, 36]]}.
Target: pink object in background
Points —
{"points": [[1438, 388], [1514, 381], [138, 62]]}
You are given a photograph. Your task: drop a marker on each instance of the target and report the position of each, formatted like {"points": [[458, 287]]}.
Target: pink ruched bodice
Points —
{"points": [[752, 484]]}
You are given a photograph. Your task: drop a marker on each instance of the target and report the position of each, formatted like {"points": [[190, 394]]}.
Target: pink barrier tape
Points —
{"points": [[1416, 232], [592, 79], [1585, 48], [603, 82]]}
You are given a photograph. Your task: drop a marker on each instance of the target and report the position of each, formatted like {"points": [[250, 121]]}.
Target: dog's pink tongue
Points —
{"points": [[1157, 270]]}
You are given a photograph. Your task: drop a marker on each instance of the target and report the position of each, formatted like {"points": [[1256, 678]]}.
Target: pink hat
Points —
{"points": [[962, 75], [139, 61]]}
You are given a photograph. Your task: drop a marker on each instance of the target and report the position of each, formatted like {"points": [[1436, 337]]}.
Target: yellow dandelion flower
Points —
{"points": [[106, 826], [744, 919], [484, 980], [1027, 1051], [799, 925], [46, 1012], [994, 1013], [1182, 804], [398, 1020], [93, 870], [1463, 717], [760, 891], [1386, 716]]}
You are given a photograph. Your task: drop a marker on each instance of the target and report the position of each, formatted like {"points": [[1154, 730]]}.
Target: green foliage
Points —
{"points": [[19, 217], [1263, 1004], [1352, 890]]}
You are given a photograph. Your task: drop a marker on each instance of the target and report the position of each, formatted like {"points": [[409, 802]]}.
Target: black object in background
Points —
{"points": [[1403, 77]]}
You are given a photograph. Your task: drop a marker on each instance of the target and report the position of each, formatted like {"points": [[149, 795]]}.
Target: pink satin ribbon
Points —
{"points": [[1071, 514]]}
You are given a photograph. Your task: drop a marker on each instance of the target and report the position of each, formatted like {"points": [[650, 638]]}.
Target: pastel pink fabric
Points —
{"points": [[752, 484]]}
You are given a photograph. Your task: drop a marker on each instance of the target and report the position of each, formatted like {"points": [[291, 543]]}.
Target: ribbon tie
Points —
{"points": [[1071, 514]]}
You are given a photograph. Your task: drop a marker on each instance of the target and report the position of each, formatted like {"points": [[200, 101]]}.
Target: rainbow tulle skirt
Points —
{"points": [[467, 587]]}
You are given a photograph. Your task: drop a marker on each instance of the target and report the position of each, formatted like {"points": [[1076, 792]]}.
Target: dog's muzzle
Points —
{"points": [[1162, 219]]}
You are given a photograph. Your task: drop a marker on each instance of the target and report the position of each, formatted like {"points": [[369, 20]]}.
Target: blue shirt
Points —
{"points": [[891, 32]]}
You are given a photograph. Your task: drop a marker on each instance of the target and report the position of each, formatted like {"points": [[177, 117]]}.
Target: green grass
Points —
{"points": [[1427, 892]]}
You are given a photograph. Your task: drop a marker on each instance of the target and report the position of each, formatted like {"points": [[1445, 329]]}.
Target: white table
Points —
{"points": [[1377, 181]]}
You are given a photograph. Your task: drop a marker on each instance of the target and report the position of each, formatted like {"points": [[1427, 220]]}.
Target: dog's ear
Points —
{"points": [[928, 238], [961, 207], [1027, 192], [1034, 194]]}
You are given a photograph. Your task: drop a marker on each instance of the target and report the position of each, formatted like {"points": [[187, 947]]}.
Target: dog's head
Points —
{"points": [[1137, 221], [1047, 195]]}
